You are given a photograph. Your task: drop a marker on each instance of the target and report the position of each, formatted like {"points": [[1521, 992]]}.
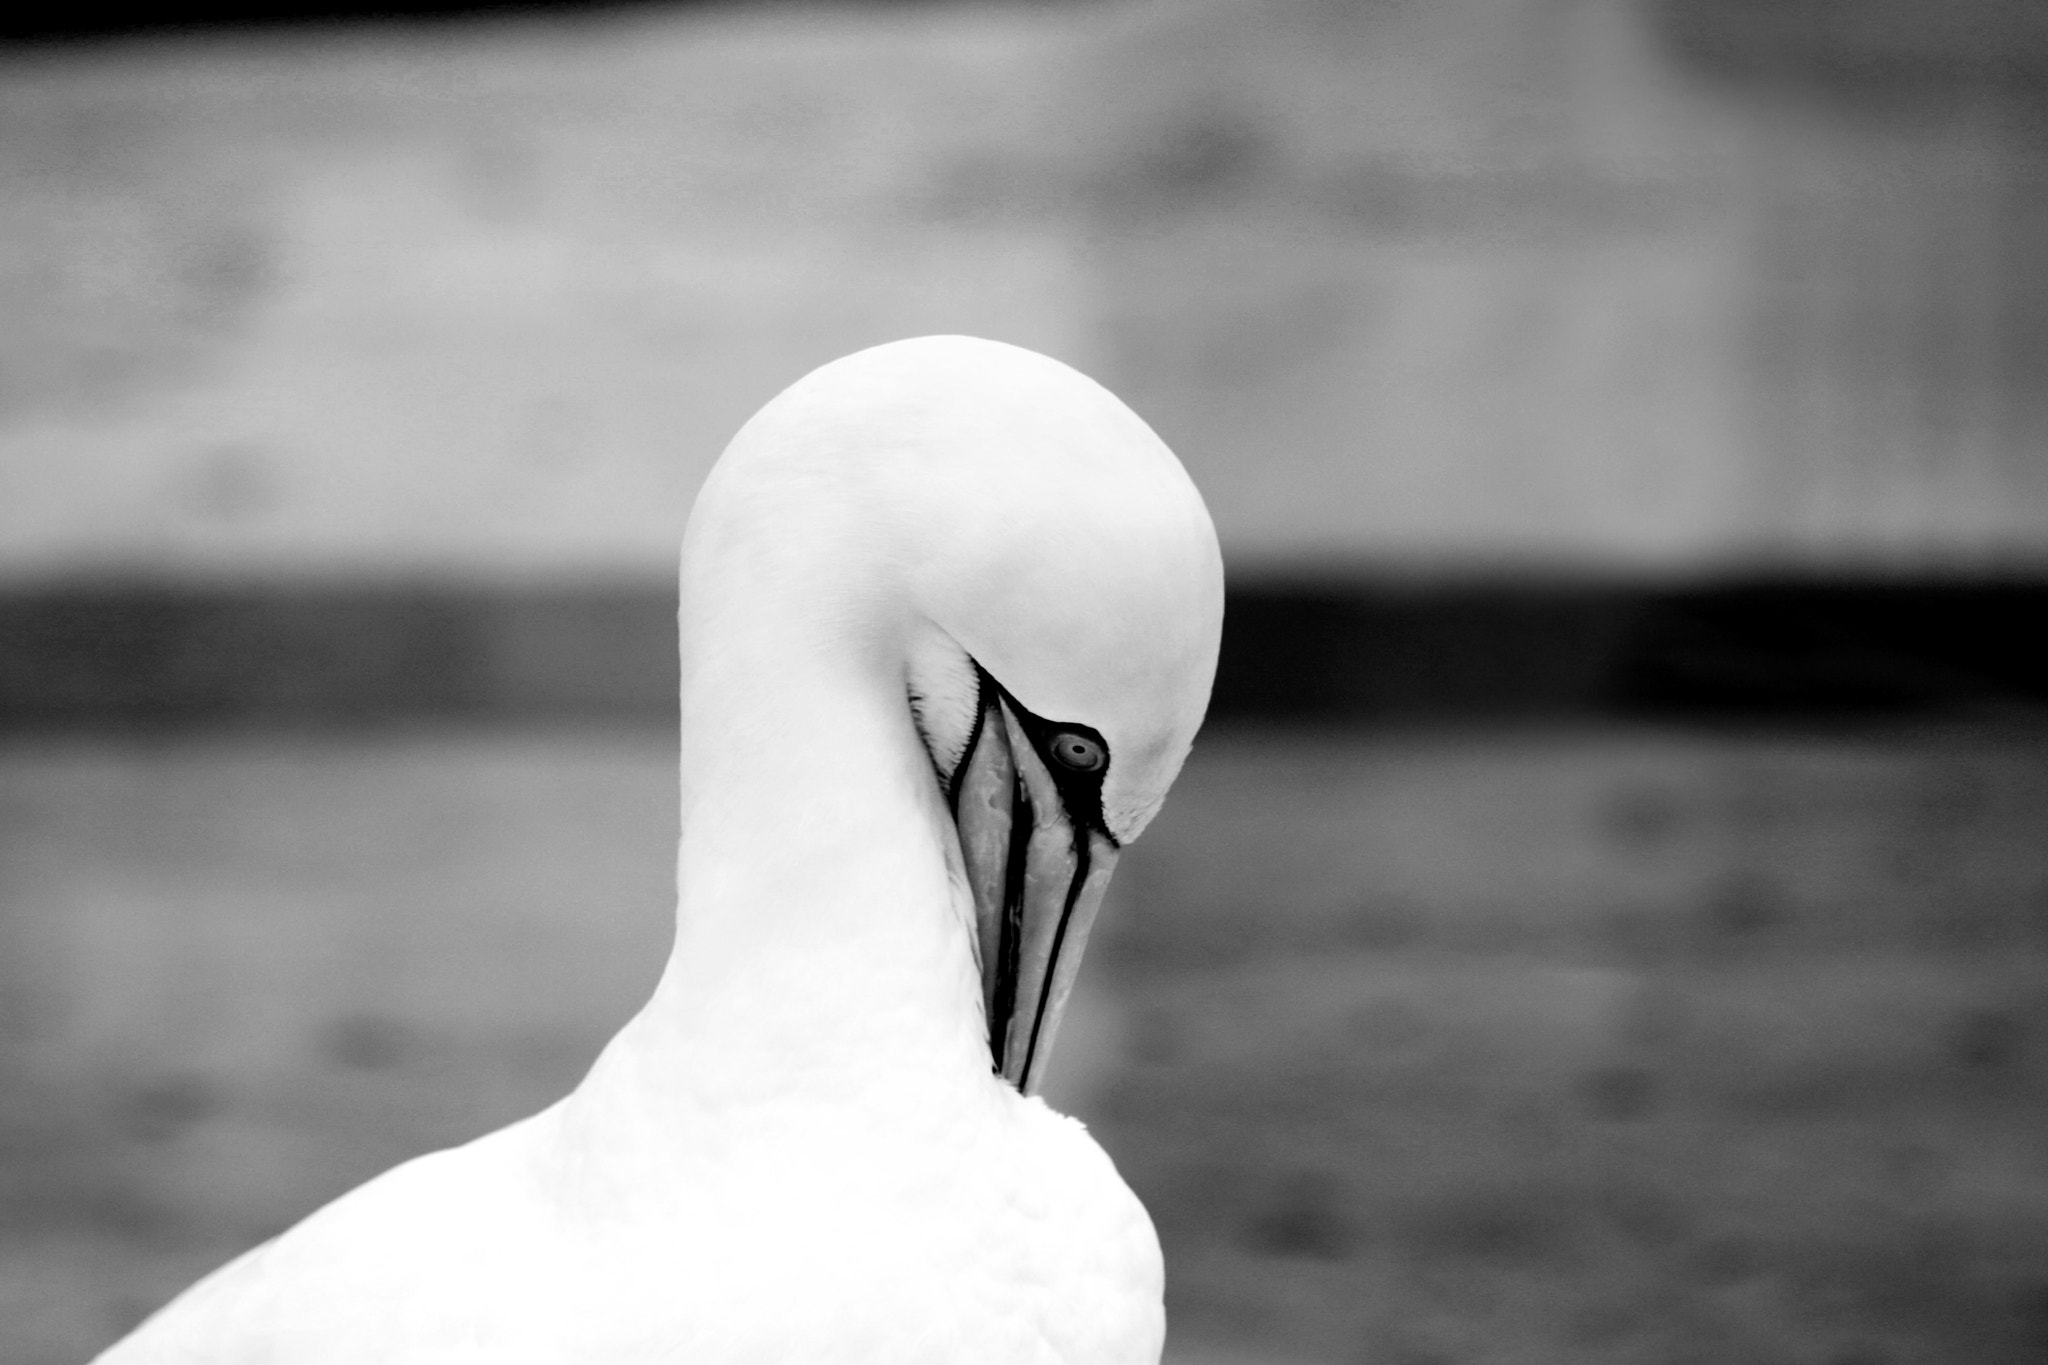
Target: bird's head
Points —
{"points": [[1053, 594]]}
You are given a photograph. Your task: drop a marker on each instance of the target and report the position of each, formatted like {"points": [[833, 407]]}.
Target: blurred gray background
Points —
{"points": [[1606, 918]]}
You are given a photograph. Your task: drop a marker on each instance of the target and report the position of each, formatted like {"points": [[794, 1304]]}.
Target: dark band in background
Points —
{"points": [[126, 657], [1793, 651]]}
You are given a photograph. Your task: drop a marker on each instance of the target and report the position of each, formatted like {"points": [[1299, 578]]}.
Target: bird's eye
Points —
{"points": [[1078, 752]]}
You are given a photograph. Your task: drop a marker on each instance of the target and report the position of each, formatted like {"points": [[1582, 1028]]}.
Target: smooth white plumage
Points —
{"points": [[798, 1151]]}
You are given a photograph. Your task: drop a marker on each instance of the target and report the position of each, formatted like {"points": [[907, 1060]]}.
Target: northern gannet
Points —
{"points": [[949, 615]]}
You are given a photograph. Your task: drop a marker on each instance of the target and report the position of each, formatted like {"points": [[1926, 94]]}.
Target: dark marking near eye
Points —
{"points": [[1076, 755]]}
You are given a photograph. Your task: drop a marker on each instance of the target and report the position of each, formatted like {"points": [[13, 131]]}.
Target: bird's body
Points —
{"points": [[799, 1150], [527, 1247]]}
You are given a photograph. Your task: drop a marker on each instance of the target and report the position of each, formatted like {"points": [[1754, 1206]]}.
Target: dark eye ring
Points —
{"points": [[1078, 752]]}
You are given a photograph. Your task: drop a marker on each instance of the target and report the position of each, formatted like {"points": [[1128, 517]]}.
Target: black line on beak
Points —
{"points": [[1011, 943], [1059, 943]]}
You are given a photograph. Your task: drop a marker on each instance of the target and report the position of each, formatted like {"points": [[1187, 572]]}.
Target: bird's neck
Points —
{"points": [[823, 952]]}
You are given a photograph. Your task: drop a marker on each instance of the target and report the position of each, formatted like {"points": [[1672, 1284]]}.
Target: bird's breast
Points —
{"points": [[1011, 1239]]}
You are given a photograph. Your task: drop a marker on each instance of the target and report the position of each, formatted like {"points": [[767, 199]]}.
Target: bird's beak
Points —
{"points": [[1037, 877]]}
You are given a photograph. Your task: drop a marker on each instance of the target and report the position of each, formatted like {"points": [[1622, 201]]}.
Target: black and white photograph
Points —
{"points": [[1024, 682]]}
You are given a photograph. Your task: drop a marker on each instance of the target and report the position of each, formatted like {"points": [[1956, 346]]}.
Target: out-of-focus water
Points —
{"points": [[1598, 1046]]}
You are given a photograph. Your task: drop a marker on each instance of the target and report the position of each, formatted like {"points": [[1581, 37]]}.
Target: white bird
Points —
{"points": [[949, 617]]}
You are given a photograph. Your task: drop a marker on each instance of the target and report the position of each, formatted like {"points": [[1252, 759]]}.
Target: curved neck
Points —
{"points": [[822, 943]]}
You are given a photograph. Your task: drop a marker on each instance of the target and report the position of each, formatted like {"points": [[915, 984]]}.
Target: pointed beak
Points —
{"points": [[1037, 876]]}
